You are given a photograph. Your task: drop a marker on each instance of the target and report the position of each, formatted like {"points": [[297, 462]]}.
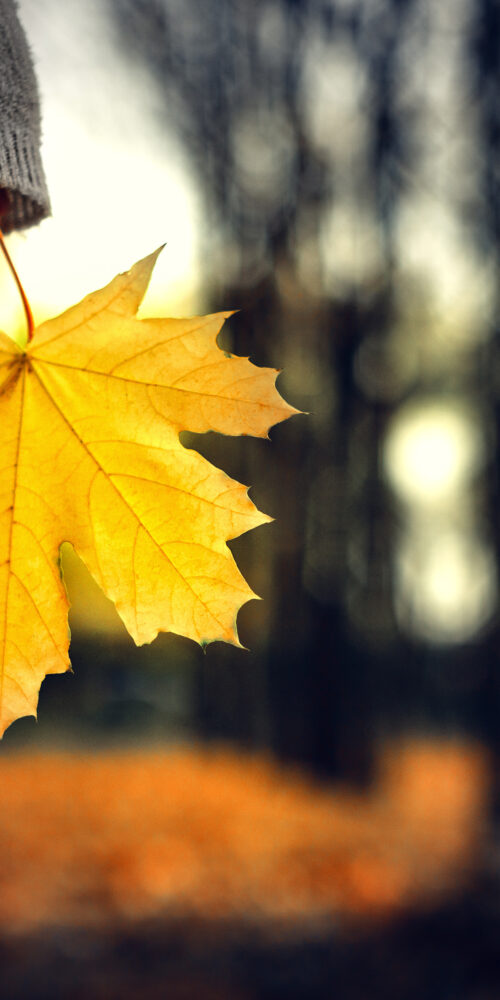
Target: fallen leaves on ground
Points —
{"points": [[90, 416], [217, 837]]}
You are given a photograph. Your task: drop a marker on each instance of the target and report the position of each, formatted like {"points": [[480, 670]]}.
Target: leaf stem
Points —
{"points": [[27, 308]]}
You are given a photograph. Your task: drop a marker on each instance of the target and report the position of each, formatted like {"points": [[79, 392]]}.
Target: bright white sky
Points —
{"points": [[120, 186]]}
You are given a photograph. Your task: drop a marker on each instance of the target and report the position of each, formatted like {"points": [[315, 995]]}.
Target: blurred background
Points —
{"points": [[331, 169]]}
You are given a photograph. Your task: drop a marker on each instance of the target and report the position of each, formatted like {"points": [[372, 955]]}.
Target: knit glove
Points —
{"points": [[24, 200]]}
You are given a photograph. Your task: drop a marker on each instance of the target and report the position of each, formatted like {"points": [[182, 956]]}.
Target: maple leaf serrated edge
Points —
{"points": [[127, 290]]}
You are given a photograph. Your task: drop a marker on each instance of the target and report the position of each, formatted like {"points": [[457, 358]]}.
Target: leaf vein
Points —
{"points": [[39, 613], [9, 541], [159, 385], [100, 468], [178, 489]]}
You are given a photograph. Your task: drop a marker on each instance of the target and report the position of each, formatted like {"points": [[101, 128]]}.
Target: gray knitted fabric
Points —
{"points": [[21, 171]]}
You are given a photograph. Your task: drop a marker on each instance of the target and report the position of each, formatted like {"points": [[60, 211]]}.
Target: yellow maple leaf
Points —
{"points": [[90, 416]]}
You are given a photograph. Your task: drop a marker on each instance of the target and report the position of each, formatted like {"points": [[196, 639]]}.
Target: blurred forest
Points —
{"points": [[346, 154]]}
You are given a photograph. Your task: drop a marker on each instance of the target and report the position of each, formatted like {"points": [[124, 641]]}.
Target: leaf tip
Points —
{"points": [[138, 276]]}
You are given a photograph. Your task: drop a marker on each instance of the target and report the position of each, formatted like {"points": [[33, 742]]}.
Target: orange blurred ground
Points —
{"points": [[108, 837]]}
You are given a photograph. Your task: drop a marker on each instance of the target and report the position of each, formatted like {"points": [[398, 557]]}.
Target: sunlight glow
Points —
{"points": [[445, 579], [101, 225], [119, 181], [446, 586], [431, 451]]}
